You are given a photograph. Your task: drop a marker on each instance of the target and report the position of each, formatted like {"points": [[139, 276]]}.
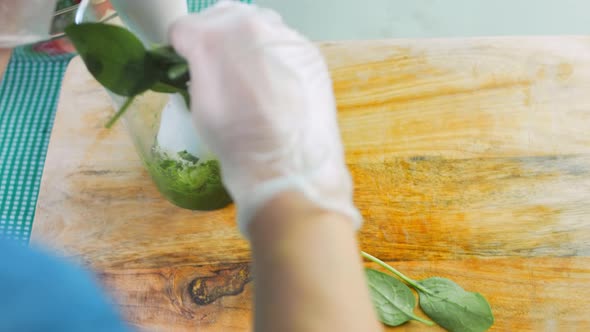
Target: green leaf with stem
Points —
{"points": [[177, 71], [393, 300], [120, 112], [114, 56], [170, 68], [165, 88], [119, 62], [390, 268], [447, 303], [165, 55], [454, 308]]}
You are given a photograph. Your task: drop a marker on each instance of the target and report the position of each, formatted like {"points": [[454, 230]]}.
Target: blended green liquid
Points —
{"points": [[187, 182]]}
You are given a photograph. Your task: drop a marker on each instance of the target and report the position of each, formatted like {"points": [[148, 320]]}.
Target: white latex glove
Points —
{"points": [[262, 101]]}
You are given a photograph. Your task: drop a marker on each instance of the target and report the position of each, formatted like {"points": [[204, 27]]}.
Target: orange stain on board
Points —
{"points": [[442, 178]]}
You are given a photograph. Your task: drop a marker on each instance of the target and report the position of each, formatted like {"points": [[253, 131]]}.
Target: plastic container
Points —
{"points": [[160, 125], [185, 173]]}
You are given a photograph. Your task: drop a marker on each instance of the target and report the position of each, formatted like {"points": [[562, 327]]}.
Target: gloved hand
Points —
{"points": [[262, 101]]}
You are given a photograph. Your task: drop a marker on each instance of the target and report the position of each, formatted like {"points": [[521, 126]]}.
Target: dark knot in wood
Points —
{"points": [[226, 282]]}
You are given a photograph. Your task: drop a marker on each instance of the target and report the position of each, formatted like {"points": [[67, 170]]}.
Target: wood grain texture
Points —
{"points": [[471, 160], [4, 58]]}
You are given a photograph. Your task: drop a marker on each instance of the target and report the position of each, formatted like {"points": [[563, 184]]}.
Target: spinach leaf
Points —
{"points": [[165, 88], [170, 68], [166, 55], [119, 61], [177, 71], [452, 307], [114, 56], [188, 157], [447, 303], [393, 300], [120, 112]]}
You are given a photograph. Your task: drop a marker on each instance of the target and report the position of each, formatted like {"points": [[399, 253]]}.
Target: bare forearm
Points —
{"points": [[308, 273]]}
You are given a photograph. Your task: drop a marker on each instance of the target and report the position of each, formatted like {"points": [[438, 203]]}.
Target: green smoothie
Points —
{"points": [[187, 181]]}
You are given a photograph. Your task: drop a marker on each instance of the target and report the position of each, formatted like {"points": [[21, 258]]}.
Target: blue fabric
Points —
{"points": [[40, 293]]}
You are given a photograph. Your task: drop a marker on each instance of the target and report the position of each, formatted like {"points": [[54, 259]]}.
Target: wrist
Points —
{"points": [[295, 243], [295, 198], [290, 213]]}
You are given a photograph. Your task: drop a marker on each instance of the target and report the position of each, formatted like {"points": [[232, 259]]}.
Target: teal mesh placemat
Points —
{"points": [[28, 99], [29, 93]]}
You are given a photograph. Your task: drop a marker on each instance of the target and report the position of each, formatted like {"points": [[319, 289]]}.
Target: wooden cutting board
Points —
{"points": [[471, 160], [4, 58]]}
